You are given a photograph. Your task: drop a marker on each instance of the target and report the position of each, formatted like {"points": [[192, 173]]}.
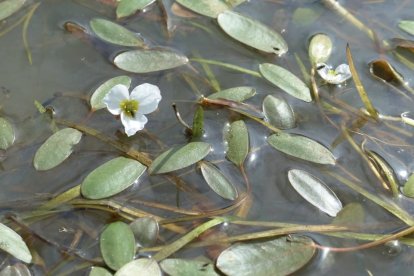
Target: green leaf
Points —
{"points": [[99, 271], [315, 192], [129, 7], [252, 33], [278, 112], [141, 267], [179, 157], [281, 256], [180, 267], [217, 181], [100, 93], [8, 7], [210, 8], [306, 16], [56, 149], [301, 147], [12, 243], [117, 245], [145, 231], [237, 142], [237, 94], [320, 48], [115, 34], [286, 81], [352, 214], [145, 61], [198, 124], [408, 189], [6, 134], [111, 178], [407, 25]]}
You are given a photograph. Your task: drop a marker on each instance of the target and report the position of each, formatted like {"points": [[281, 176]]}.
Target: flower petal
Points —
{"points": [[148, 96], [114, 97], [323, 70], [133, 124], [343, 72]]}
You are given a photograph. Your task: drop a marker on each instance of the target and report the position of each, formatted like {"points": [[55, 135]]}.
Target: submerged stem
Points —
{"points": [[227, 65]]}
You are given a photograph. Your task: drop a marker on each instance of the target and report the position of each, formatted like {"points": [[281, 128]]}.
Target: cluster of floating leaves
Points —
{"points": [[119, 241]]}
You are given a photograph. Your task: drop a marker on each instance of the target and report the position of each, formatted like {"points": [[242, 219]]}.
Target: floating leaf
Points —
{"points": [[145, 61], [217, 181], [111, 178], [320, 48], [56, 149], [237, 94], [8, 7], [179, 157], [99, 271], [129, 7], [117, 245], [286, 81], [252, 33], [301, 147], [141, 267], [18, 269], [351, 214], [407, 25], [238, 142], [278, 112], [280, 256], [12, 243], [315, 192], [179, 267], [103, 89], [210, 8], [408, 189], [145, 231], [6, 134], [115, 34]]}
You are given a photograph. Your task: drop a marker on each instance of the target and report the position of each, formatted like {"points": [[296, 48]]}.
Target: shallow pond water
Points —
{"points": [[67, 67]]}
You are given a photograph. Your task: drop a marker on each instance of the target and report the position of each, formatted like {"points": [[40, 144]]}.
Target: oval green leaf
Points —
{"points": [[145, 61], [407, 25], [237, 94], [281, 256], [115, 34], [278, 112], [12, 243], [6, 134], [352, 214], [252, 33], [111, 178], [179, 267], [100, 93], [217, 181], [141, 267], [145, 231], [210, 8], [408, 189], [99, 271], [56, 149], [237, 142], [8, 7], [301, 147], [179, 157], [286, 81], [117, 245], [127, 8], [315, 192], [320, 48]]}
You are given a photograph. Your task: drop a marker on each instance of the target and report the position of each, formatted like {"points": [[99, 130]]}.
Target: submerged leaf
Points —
{"points": [[141, 267], [280, 256], [180, 157], [210, 8], [129, 7], [306, 16], [111, 178], [117, 245], [383, 70], [407, 25], [198, 124], [315, 192], [408, 189], [217, 181], [238, 142], [351, 214], [12, 243], [115, 34], [180, 267], [301, 147], [145, 61], [100, 93], [237, 94], [145, 231], [6, 134], [8, 7], [56, 149], [99, 271], [278, 112], [252, 33], [286, 81]]}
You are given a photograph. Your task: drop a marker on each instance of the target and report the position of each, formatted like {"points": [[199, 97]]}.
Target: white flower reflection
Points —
{"points": [[337, 76], [132, 107]]}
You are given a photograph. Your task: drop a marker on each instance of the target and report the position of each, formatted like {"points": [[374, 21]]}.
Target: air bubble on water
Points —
{"points": [[393, 248]]}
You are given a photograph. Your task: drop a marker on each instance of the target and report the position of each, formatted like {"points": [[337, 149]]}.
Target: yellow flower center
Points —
{"points": [[129, 107], [332, 72]]}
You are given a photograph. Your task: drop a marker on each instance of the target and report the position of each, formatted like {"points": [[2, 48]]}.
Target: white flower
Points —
{"points": [[144, 99], [337, 76]]}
